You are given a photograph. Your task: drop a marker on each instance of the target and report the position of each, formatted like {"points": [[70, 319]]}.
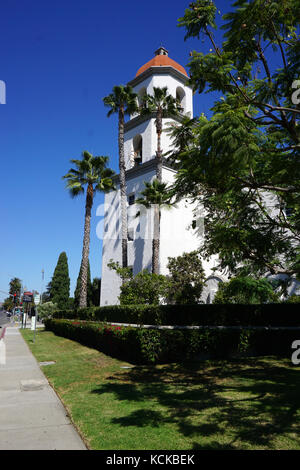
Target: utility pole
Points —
{"points": [[42, 285]]}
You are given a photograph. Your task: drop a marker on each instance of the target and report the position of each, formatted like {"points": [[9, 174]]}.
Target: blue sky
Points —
{"points": [[58, 60]]}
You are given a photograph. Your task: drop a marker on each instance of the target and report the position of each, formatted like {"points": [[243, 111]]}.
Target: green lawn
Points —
{"points": [[245, 404]]}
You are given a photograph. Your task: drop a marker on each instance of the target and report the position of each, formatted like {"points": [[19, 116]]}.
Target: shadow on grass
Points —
{"points": [[251, 401]]}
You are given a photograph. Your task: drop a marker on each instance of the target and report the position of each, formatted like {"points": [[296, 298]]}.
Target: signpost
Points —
{"points": [[33, 321], [27, 298]]}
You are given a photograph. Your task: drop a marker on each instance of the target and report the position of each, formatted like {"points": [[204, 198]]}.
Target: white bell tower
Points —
{"points": [[140, 145], [140, 132]]}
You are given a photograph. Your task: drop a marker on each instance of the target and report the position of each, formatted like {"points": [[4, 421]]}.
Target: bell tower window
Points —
{"points": [[180, 97], [138, 149]]}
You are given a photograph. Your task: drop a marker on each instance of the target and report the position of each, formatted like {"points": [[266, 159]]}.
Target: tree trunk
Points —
{"points": [[156, 239], [123, 191], [159, 151], [86, 246]]}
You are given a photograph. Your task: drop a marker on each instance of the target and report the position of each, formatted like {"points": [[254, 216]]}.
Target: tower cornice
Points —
{"points": [[161, 70], [136, 121], [144, 168]]}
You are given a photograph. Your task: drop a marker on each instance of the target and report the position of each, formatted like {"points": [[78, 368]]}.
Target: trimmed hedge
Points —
{"points": [[281, 314], [144, 346]]}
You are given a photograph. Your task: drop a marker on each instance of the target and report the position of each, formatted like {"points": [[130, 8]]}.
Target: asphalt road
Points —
{"points": [[3, 318]]}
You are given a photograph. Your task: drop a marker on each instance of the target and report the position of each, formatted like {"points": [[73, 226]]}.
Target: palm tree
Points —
{"points": [[91, 172], [122, 101], [155, 195], [163, 105], [182, 135]]}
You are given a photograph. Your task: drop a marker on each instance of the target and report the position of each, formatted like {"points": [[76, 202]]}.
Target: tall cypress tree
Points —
{"points": [[96, 287], [89, 301], [60, 283]]}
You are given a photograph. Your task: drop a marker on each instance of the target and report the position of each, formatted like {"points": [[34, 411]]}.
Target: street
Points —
{"points": [[3, 318]]}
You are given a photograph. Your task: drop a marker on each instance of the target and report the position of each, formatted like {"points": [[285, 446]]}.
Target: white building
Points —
{"points": [[140, 144]]}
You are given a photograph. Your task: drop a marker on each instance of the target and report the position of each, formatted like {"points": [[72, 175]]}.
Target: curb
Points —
{"points": [[3, 333]]}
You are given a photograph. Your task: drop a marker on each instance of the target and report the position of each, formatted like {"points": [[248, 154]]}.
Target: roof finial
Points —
{"points": [[161, 50]]}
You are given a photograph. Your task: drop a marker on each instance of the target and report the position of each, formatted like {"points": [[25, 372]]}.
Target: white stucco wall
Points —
{"points": [[176, 235], [147, 129]]}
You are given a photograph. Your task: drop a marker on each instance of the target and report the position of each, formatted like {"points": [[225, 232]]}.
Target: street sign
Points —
{"points": [[37, 299], [27, 297]]}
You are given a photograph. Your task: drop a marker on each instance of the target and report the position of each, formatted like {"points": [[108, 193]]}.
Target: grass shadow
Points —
{"points": [[252, 402]]}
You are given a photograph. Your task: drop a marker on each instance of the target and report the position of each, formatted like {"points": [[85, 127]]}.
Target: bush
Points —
{"points": [[145, 288], [46, 310], [186, 279], [279, 314], [293, 299], [245, 290], [146, 346]]}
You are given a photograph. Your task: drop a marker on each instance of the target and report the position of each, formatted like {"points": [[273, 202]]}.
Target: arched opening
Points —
{"points": [[137, 150], [180, 97], [141, 93], [211, 287]]}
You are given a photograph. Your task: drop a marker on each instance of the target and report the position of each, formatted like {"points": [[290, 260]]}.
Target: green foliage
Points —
{"points": [[269, 314], [8, 304], [146, 346], [293, 299], [124, 273], [155, 193], [15, 286], [96, 288], [122, 98], [144, 288], [249, 150], [186, 279], [46, 296], [46, 310], [89, 170], [60, 283], [245, 290], [161, 103]]}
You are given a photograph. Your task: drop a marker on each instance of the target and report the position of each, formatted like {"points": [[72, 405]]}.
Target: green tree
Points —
{"points": [[245, 290], [46, 296], [89, 292], [96, 288], [60, 283], [155, 196], [90, 172], [15, 287], [46, 310], [144, 288], [243, 163], [8, 304], [162, 104], [122, 101], [186, 279]]}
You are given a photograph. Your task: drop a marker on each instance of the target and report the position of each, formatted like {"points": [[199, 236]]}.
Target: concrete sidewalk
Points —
{"points": [[31, 415]]}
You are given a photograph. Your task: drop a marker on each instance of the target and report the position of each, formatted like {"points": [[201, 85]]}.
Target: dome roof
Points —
{"points": [[161, 59]]}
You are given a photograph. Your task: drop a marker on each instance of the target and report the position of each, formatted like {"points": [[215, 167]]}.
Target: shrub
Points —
{"points": [[245, 290], [186, 279], [145, 288], [278, 314], [144, 346], [46, 310]]}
